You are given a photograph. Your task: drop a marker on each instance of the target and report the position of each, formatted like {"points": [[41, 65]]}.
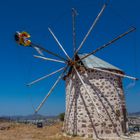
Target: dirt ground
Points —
{"points": [[15, 131]]}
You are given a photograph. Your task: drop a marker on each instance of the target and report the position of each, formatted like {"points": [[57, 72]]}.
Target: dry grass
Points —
{"points": [[31, 132], [17, 131]]}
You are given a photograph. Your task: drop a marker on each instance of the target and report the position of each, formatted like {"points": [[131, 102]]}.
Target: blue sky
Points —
{"points": [[18, 66]]}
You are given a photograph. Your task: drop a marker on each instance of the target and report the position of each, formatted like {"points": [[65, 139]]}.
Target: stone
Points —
{"points": [[110, 125], [84, 121], [102, 131], [87, 114], [90, 135], [103, 124], [83, 125], [114, 131], [107, 131], [115, 125], [90, 130], [96, 124]]}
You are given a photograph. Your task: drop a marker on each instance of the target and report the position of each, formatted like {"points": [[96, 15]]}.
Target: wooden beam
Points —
{"points": [[117, 74], [109, 43], [61, 47], [44, 77], [48, 59], [51, 90], [91, 28]]}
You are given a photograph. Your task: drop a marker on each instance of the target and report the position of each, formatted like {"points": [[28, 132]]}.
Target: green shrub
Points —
{"points": [[62, 116]]}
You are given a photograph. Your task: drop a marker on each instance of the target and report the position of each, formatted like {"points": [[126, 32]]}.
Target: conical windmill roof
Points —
{"points": [[92, 61]]}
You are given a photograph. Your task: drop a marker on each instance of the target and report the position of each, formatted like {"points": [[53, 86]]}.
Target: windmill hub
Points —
{"points": [[71, 63]]}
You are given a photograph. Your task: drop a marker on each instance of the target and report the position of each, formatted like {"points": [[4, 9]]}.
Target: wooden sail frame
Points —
{"points": [[71, 62]]}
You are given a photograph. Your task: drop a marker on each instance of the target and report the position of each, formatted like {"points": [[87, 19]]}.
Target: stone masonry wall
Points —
{"points": [[81, 117]]}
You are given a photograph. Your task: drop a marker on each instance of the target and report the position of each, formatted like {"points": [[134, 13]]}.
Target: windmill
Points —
{"points": [[95, 104]]}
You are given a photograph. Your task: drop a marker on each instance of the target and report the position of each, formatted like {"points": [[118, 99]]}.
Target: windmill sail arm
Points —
{"points": [[80, 78], [49, 93], [109, 43], [48, 59], [117, 74], [91, 28], [39, 51], [74, 14], [61, 47], [49, 52], [44, 77], [51, 90]]}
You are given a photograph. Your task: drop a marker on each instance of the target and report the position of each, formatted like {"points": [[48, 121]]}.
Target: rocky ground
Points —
{"points": [[16, 131]]}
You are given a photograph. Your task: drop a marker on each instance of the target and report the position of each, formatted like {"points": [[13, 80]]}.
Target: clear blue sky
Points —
{"points": [[18, 66]]}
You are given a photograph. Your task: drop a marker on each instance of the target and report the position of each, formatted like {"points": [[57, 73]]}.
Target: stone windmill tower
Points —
{"points": [[95, 108], [95, 105]]}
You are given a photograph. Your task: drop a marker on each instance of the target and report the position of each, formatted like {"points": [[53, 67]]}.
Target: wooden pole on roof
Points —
{"points": [[109, 43], [44, 77], [74, 14], [51, 90], [61, 47], [87, 91], [49, 59], [91, 28], [47, 51], [117, 74]]}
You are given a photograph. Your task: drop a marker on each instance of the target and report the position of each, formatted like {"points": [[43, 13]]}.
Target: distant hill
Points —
{"points": [[28, 117], [42, 117], [134, 114]]}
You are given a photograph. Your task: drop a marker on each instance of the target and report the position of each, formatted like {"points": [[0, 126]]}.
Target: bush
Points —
{"points": [[62, 116]]}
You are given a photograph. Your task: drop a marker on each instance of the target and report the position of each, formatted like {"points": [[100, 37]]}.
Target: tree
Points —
{"points": [[61, 116]]}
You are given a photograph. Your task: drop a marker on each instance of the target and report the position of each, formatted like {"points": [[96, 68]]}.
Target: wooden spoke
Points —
{"points": [[117, 74], [59, 43], [48, 59], [45, 50], [91, 28], [51, 90], [44, 77], [80, 78], [109, 43], [74, 14]]}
